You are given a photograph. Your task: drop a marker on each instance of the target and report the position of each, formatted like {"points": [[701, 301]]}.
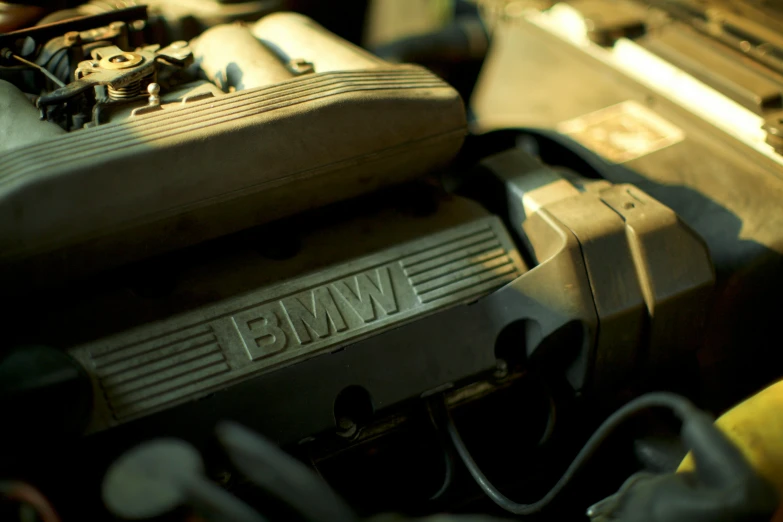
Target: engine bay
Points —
{"points": [[259, 266]]}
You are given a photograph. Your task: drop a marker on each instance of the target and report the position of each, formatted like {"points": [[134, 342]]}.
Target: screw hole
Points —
{"points": [[353, 408], [628, 205], [511, 345]]}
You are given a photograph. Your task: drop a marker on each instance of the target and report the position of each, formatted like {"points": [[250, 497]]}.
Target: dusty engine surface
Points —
{"points": [[258, 272], [119, 115]]}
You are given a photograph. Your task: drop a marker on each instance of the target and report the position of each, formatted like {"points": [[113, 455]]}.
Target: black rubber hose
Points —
{"points": [[282, 476]]}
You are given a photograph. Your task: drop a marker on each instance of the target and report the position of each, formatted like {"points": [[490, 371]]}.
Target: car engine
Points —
{"points": [[255, 270], [181, 131]]}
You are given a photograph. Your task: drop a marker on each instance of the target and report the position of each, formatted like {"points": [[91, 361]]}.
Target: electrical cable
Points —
{"points": [[448, 457], [679, 405], [448, 475], [433, 408]]}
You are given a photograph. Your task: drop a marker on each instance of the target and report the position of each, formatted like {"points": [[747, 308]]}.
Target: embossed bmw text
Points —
{"points": [[318, 313]]}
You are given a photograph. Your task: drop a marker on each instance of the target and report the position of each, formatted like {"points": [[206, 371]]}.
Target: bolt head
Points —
{"points": [[501, 369], [301, 66], [346, 428], [72, 37]]}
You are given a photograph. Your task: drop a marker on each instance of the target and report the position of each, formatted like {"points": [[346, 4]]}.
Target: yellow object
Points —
{"points": [[756, 427]]}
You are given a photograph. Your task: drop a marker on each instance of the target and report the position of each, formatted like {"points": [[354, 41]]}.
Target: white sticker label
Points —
{"points": [[622, 132]]}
